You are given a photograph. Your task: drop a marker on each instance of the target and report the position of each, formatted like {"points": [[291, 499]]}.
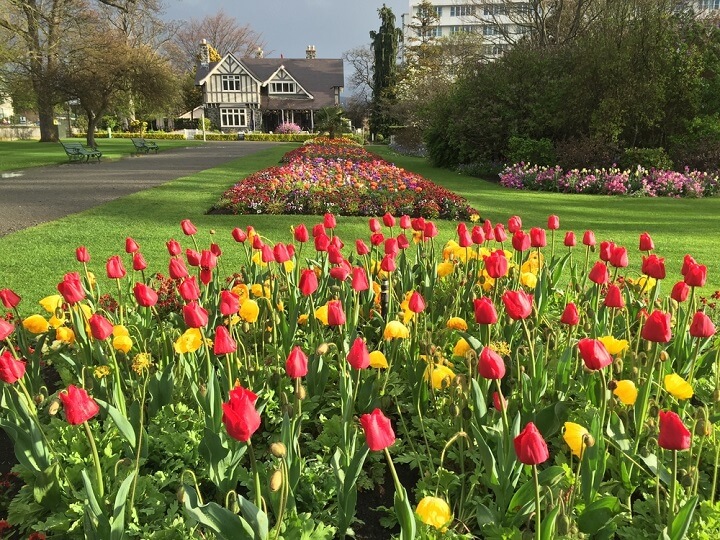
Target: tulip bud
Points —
{"points": [[588, 440], [278, 450], [276, 480], [686, 480], [54, 407], [302, 393], [664, 356], [716, 395], [322, 349]]}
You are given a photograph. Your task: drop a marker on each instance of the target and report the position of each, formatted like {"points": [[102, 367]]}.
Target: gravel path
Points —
{"points": [[37, 195]]}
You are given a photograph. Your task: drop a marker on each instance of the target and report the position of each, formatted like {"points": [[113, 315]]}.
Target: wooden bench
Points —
{"points": [[76, 152], [141, 145]]}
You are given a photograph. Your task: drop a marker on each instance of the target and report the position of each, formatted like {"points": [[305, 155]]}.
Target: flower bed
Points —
{"points": [[636, 182], [531, 388], [343, 179]]}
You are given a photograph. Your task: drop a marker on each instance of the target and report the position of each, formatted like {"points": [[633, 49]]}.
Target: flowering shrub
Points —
{"points": [[342, 178], [288, 127], [530, 387], [636, 182]]}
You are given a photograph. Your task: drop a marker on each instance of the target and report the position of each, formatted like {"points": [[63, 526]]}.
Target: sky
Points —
{"points": [[289, 26]]}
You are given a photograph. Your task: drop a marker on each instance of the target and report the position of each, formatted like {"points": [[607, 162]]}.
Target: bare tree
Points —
{"points": [[222, 31], [361, 61]]}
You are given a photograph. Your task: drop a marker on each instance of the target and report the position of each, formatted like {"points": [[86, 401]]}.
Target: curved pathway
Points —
{"points": [[37, 195]]}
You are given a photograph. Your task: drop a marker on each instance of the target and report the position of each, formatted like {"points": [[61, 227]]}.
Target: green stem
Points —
{"points": [[139, 446], [256, 476], [673, 488], [96, 459], [537, 503]]}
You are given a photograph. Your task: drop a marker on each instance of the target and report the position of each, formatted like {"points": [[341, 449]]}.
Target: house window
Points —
{"points": [[462, 11], [709, 4], [282, 88], [423, 14], [233, 118], [494, 9], [458, 29], [231, 82], [490, 30]]}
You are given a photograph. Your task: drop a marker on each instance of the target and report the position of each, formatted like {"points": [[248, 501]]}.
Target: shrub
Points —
{"points": [[489, 170], [129, 134], [586, 152], [288, 127], [408, 141], [527, 150], [647, 158]]}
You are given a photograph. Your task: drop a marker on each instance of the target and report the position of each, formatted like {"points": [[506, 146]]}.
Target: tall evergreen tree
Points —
{"points": [[385, 45]]}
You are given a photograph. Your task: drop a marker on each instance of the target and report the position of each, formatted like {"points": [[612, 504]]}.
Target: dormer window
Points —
{"points": [[282, 88]]}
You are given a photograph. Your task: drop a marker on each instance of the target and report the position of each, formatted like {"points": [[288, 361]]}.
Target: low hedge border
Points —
{"points": [[157, 135]]}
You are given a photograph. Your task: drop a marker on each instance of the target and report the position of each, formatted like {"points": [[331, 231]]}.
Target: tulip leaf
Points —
{"points": [[524, 498], [656, 468], [405, 514], [485, 516], [549, 420], [255, 517], [117, 529], [592, 468], [47, 485], [616, 431], [97, 525], [160, 388], [225, 524], [598, 513], [547, 528], [123, 424], [681, 523]]}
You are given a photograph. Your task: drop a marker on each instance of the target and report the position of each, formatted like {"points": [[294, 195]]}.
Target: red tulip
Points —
{"points": [[477, 235], [430, 230], [405, 222], [498, 234], [530, 447], [359, 356], [359, 279], [71, 288], [702, 326], [208, 259], [570, 315], [657, 327], [322, 242], [79, 406], [229, 303], [195, 315], [537, 237], [518, 304], [115, 268], [491, 364], [388, 263], [257, 242], [374, 225], [520, 241], [318, 229], [570, 240], [224, 343], [391, 247], [267, 254], [653, 266], [100, 327], [145, 296], [499, 403], [6, 328], [300, 233], [379, 433], [341, 272], [281, 253], [589, 238], [614, 298], [82, 255], [9, 298], [215, 249], [189, 289], [488, 230], [416, 304], [177, 268], [696, 275], [687, 262], [599, 273], [336, 315], [240, 417], [139, 263], [594, 353], [239, 235], [646, 243], [606, 249], [673, 434], [496, 264], [10, 369], [173, 247], [296, 365], [193, 257], [402, 241], [680, 291], [514, 224], [464, 238], [334, 255], [619, 257], [131, 246], [553, 222], [308, 282], [187, 227], [418, 224], [388, 220], [361, 247], [485, 312], [329, 221], [377, 239]]}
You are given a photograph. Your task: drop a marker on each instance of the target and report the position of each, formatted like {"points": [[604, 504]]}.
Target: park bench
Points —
{"points": [[141, 145], [77, 152]]}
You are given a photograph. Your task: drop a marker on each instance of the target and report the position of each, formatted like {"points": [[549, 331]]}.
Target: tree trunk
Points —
{"points": [[46, 113], [92, 126]]}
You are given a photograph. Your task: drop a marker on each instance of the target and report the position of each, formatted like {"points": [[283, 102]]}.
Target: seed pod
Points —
{"points": [[276, 481], [278, 450], [716, 395], [54, 407], [664, 356], [588, 440], [322, 349], [612, 385], [302, 393], [454, 410]]}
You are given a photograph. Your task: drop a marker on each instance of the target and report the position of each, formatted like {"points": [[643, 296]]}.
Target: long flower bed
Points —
{"points": [[506, 384], [343, 179], [635, 182]]}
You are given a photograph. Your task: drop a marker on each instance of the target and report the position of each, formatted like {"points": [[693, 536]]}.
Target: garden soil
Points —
{"points": [[36, 195]]}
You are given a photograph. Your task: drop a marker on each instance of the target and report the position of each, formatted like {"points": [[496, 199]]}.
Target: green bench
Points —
{"points": [[141, 145], [76, 152]]}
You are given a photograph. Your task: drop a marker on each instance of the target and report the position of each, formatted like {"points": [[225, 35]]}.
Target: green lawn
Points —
{"points": [[16, 155], [34, 260]]}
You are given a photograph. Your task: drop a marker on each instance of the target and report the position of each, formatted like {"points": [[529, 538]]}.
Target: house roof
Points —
{"points": [[318, 76]]}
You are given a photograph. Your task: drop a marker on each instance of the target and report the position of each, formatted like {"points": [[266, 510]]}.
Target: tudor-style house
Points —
{"points": [[259, 94]]}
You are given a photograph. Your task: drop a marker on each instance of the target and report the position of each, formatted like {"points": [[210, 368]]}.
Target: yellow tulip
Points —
{"points": [[56, 322], [626, 392], [396, 330], [52, 303], [434, 511], [678, 387], [449, 249], [101, 372], [122, 343], [528, 279], [141, 362], [242, 291], [321, 314], [257, 259], [378, 360], [614, 346], [440, 376], [189, 342], [461, 347], [289, 266], [574, 436], [445, 269], [36, 324], [249, 311], [65, 334], [120, 330], [457, 323], [303, 319]]}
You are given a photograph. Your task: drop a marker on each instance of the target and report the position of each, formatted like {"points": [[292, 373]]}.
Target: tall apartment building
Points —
{"points": [[500, 22]]}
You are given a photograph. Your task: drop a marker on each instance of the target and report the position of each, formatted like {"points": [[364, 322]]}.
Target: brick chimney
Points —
{"points": [[310, 52], [204, 53]]}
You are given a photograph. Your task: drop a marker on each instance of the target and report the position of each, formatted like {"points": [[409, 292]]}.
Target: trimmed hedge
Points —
{"points": [[269, 137], [148, 135]]}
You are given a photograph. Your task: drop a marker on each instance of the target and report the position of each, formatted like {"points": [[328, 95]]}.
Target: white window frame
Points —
{"points": [[283, 87], [233, 117], [231, 83], [462, 11]]}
